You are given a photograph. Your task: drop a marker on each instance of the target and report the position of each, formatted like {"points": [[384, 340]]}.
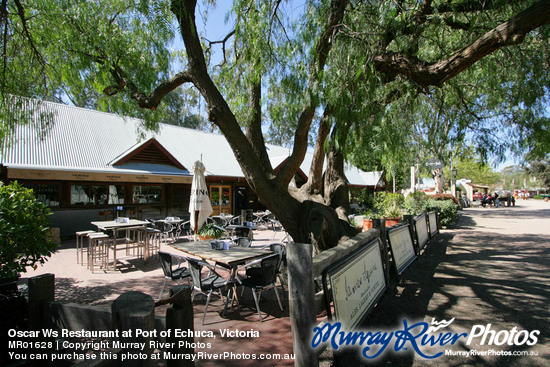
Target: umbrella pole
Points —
{"points": [[196, 223]]}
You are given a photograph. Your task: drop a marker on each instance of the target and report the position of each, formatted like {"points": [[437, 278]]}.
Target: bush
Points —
{"points": [[416, 202], [448, 206], [538, 197], [448, 211], [25, 238], [445, 197], [389, 205]]}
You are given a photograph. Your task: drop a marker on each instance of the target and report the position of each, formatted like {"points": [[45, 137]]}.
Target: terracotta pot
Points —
{"points": [[367, 224], [392, 222], [202, 238]]}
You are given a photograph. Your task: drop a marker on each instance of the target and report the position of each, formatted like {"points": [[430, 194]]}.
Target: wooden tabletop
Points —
{"points": [[231, 257], [108, 224]]}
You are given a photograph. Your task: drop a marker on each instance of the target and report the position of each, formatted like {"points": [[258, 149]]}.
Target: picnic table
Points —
{"points": [[231, 258]]}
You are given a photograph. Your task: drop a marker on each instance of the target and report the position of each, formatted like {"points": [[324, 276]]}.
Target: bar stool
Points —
{"points": [[98, 250], [80, 236], [151, 240]]}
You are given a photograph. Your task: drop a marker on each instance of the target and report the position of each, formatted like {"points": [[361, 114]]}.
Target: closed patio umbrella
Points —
{"points": [[199, 204]]}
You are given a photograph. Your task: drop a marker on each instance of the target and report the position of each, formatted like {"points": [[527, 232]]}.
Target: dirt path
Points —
{"points": [[492, 268]]}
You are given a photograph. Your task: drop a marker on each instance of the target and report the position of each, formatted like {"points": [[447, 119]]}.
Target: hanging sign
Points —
{"points": [[434, 163]]}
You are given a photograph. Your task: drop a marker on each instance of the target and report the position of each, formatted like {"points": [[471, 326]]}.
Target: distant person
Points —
{"points": [[497, 200]]}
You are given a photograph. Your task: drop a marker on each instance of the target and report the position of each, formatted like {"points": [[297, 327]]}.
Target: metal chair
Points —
{"points": [[184, 228], [280, 250], [264, 280], [243, 241], [169, 273], [167, 229], [206, 285]]}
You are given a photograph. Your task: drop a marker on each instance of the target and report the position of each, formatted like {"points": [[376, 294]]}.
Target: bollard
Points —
{"points": [[41, 290], [180, 316], [134, 313]]}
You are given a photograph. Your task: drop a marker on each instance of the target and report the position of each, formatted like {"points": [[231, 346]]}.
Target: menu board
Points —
{"points": [[356, 282], [402, 247], [421, 229]]}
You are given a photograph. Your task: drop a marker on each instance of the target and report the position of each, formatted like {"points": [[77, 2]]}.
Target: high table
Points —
{"points": [[115, 226], [233, 257]]}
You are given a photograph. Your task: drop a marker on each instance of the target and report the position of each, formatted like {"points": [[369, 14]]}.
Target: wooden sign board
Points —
{"points": [[421, 230], [434, 225], [356, 283], [67, 175], [402, 247]]}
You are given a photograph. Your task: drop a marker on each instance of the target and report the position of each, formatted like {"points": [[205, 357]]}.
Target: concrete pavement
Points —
{"points": [[492, 268]]}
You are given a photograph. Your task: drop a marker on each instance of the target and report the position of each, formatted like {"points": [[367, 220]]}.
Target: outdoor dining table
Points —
{"points": [[233, 257], [116, 226]]}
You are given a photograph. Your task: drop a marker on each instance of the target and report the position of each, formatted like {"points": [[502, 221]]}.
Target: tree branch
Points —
{"points": [[254, 127], [323, 48], [21, 13], [146, 101], [315, 179], [509, 33], [223, 42]]}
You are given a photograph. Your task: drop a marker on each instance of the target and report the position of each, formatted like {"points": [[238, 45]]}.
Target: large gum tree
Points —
{"points": [[323, 71]]}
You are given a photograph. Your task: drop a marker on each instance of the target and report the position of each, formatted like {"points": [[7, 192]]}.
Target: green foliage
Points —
{"points": [[448, 211], [474, 169], [541, 170], [418, 202], [389, 205], [210, 230], [25, 239], [538, 197]]}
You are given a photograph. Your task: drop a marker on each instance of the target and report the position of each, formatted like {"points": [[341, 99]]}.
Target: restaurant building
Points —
{"points": [[88, 165]]}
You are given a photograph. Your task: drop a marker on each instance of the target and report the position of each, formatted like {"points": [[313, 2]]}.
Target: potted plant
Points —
{"points": [[389, 206], [393, 216], [368, 216], [25, 237], [210, 231]]}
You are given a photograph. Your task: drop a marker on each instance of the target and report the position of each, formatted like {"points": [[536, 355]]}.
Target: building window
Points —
{"points": [[147, 194], [116, 194], [46, 193], [97, 194]]}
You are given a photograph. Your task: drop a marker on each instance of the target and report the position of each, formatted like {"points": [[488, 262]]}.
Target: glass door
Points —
{"points": [[220, 198]]}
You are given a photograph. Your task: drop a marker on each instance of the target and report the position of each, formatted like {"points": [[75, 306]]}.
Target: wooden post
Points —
{"points": [[301, 299], [410, 219], [180, 316], [380, 224], [134, 312], [41, 290]]}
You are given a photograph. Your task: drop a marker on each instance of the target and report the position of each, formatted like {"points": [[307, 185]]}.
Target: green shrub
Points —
{"points": [[448, 211], [415, 203], [389, 205], [538, 197], [25, 237]]}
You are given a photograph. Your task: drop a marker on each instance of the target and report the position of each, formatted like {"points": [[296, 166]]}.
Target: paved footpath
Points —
{"points": [[492, 268]]}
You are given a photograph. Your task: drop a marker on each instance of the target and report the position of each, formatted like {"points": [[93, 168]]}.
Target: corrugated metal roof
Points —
{"points": [[86, 139]]}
